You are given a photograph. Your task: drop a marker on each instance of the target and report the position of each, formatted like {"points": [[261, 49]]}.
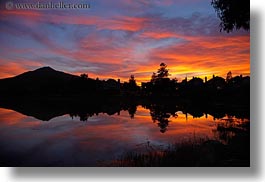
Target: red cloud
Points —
{"points": [[204, 52], [10, 68]]}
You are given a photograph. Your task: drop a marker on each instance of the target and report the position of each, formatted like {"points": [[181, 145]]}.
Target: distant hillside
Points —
{"points": [[45, 81], [42, 74]]}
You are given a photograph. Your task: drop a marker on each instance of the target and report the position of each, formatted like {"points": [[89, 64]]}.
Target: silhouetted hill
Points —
{"points": [[44, 81], [44, 73]]}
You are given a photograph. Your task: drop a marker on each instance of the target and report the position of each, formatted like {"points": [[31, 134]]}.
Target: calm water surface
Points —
{"points": [[67, 141]]}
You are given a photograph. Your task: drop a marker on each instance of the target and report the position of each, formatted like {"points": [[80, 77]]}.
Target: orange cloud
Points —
{"points": [[10, 69], [12, 118], [203, 55], [106, 57]]}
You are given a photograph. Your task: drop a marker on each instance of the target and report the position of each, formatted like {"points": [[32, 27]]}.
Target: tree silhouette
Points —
{"points": [[160, 84], [162, 71], [234, 14], [153, 77], [229, 76], [132, 81], [131, 86], [84, 76]]}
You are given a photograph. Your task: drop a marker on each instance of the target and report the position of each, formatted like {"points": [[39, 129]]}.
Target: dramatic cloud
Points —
{"points": [[115, 39]]}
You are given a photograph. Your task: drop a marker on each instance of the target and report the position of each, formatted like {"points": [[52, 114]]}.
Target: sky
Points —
{"points": [[119, 38]]}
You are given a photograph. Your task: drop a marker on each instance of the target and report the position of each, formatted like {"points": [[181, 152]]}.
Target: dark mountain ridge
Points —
{"points": [[39, 74], [44, 81]]}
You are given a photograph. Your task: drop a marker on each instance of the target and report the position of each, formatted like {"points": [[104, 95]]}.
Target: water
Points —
{"points": [[67, 141]]}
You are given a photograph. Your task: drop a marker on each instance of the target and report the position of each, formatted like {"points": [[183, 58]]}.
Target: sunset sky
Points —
{"points": [[117, 38]]}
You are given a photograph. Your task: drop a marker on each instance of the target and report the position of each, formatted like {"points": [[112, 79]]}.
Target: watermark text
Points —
{"points": [[45, 6]]}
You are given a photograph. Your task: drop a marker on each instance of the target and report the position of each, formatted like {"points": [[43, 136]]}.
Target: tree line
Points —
{"points": [[216, 88]]}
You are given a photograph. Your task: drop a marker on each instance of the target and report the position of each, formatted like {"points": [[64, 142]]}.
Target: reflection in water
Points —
{"points": [[132, 110], [109, 131], [161, 115]]}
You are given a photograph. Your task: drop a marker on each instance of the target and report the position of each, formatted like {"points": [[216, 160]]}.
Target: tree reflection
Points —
{"points": [[160, 110], [132, 110], [161, 115]]}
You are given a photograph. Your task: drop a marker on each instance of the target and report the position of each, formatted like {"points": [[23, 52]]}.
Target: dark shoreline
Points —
{"points": [[45, 108]]}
